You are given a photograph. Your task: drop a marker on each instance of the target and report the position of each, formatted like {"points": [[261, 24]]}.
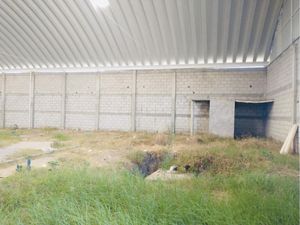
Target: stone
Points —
{"points": [[166, 175], [173, 168]]}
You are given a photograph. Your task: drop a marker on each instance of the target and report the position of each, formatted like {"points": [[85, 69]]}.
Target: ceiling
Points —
{"points": [[134, 33]]}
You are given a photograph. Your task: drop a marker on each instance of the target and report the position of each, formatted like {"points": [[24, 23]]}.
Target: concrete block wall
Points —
{"points": [[115, 101], [17, 100], [155, 101], [81, 101], [220, 87], [48, 100], [280, 89]]}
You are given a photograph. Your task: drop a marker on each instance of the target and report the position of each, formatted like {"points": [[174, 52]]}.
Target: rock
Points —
{"points": [[173, 168], [166, 175]]}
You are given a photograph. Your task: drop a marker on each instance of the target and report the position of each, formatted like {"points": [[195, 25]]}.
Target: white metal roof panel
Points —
{"points": [[134, 33]]}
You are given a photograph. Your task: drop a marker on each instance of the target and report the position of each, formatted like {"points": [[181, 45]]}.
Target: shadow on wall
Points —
{"points": [[250, 119]]}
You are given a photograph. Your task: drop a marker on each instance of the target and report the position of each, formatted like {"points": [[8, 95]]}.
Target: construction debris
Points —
{"points": [[288, 143]]}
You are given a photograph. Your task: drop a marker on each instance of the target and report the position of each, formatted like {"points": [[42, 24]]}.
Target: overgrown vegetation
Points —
{"points": [[242, 181], [210, 154], [85, 196]]}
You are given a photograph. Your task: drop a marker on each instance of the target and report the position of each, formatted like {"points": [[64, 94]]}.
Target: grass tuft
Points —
{"points": [[61, 137], [85, 196]]}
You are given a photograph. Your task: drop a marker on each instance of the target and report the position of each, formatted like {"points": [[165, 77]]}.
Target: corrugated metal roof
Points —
{"points": [[73, 33]]}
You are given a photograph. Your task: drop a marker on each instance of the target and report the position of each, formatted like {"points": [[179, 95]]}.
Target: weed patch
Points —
{"points": [[61, 137], [85, 196]]}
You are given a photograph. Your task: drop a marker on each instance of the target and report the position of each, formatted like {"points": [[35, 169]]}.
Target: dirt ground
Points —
{"points": [[107, 149]]}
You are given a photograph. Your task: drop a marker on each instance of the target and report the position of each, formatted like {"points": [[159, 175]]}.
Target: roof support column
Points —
{"points": [[192, 118], [31, 99], [63, 100], [133, 101], [295, 72], [3, 90], [173, 112], [98, 97]]}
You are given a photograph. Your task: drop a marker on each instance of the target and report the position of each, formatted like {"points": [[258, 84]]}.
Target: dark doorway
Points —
{"points": [[250, 119]]}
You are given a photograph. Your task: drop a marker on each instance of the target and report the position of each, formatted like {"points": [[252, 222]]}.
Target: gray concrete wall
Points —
{"points": [[280, 87], [221, 86], [153, 101], [288, 28]]}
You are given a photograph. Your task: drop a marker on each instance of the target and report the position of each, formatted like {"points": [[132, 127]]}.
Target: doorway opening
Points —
{"points": [[250, 118], [199, 116]]}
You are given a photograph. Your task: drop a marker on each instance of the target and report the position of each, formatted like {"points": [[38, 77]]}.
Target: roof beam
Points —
{"points": [[248, 27], [266, 46], [226, 25], [215, 27], [237, 27], [204, 30], [260, 26]]}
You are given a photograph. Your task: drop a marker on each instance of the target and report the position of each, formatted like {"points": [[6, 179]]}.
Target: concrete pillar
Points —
{"points": [[173, 112], [192, 118], [294, 84], [295, 94], [31, 99], [221, 117], [98, 95], [63, 101], [133, 101], [3, 93]]}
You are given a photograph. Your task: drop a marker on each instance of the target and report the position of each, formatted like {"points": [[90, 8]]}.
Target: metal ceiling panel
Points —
{"points": [[56, 34]]}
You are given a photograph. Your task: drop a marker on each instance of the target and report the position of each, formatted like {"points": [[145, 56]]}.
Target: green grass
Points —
{"points": [[61, 137], [225, 156], [241, 182], [87, 196]]}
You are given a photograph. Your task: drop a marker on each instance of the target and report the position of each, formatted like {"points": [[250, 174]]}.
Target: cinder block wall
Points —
{"points": [[17, 100], [131, 100], [47, 100], [280, 88], [221, 88]]}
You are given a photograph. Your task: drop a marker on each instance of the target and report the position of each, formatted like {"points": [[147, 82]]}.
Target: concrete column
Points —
{"points": [[133, 101], [192, 118], [294, 84], [173, 113], [98, 95], [31, 99], [63, 101], [3, 91], [295, 94]]}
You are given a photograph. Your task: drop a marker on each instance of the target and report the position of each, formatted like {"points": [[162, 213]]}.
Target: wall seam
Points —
{"points": [[3, 96]]}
